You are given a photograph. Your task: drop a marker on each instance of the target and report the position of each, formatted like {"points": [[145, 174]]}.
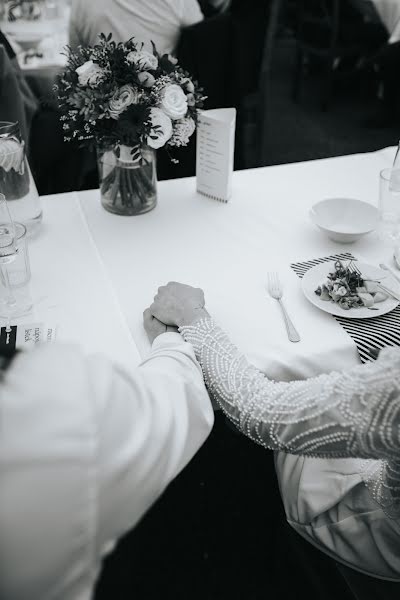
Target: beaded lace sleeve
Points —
{"points": [[349, 414]]}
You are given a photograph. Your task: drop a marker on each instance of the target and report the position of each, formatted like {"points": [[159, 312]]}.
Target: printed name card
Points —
{"points": [[215, 148], [22, 337]]}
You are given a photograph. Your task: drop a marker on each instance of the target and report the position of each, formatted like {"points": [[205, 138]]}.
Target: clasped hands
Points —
{"points": [[175, 305]]}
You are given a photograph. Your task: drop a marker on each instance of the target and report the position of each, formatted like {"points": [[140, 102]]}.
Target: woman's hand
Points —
{"points": [[178, 304], [154, 327]]}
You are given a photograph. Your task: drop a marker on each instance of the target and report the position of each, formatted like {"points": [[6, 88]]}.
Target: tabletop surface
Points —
{"points": [[106, 268], [70, 288]]}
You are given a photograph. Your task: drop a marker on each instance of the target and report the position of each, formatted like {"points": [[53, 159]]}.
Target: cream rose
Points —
{"points": [[90, 74], [143, 60], [188, 85], [161, 129], [174, 102], [121, 99], [183, 130], [146, 79]]}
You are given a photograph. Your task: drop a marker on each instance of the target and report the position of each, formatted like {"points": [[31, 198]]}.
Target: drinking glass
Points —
{"points": [[389, 206], [15, 272], [16, 181]]}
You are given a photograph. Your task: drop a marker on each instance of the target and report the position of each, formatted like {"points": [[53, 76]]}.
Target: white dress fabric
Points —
{"points": [[85, 449], [159, 21], [337, 438]]}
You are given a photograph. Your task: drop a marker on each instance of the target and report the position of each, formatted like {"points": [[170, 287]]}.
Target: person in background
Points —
{"points": [[86, 448], [336, 436], [387, 64], [158, 21], [56, 166], [25, 106], [214, 7]]}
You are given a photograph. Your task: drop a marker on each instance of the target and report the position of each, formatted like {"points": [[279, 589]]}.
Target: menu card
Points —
{"points": [[23, 337], [215, 148]]}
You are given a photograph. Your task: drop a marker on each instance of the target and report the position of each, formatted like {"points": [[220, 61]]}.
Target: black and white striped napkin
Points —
{"points": [[377, 332]]}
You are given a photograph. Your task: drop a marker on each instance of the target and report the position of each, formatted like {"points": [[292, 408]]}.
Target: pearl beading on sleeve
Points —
{"points": [[337, 415]]}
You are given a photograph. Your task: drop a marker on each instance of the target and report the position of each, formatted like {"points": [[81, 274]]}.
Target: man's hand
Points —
{"points": [[154, 327], [178, 304]]}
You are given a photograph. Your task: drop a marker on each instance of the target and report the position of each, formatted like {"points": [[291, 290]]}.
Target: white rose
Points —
{"points": [[143, 60], [188, 85], [161, 130], [183, 129], [90, 74], [121, 99], [174, 102], [146, 79]]}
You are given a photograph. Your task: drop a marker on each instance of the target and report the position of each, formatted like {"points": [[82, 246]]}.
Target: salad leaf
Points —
{"points": [[349, 289]]}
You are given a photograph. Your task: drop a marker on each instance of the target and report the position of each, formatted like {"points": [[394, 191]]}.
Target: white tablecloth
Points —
{"points": [[389, 12], [70, 287], [93, 273], [228, 249]]}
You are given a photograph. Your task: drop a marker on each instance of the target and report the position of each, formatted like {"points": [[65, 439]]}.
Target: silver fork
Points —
{"points": [[355, 269], [276, 292]]}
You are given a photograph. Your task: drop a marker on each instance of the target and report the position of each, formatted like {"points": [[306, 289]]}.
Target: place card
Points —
{"points": [[214, 153], [23, 337]]}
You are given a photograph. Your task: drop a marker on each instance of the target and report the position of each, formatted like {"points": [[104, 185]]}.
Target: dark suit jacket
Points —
{"points": [[17, 102], [224, 53]]}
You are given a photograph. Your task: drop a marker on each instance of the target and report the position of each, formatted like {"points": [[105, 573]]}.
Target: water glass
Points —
{"points": [[389, 206], [16, 181], [15, 296]]}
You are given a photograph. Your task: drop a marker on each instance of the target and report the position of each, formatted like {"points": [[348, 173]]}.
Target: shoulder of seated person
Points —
{"points": [[49, 360]]}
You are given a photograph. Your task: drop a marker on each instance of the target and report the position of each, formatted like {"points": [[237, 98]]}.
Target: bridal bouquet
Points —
{"points": [[127, 103]]}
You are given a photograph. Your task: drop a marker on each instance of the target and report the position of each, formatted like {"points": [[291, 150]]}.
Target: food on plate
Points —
{"points": [[347, 288]]}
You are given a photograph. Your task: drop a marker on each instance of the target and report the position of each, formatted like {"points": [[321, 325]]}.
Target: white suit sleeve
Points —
{"points": [[151, 425], [190, 13], [76, 23], [85, 449]]}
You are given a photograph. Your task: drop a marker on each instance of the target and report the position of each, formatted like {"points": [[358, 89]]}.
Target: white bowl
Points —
{"points": [[344, 220]]}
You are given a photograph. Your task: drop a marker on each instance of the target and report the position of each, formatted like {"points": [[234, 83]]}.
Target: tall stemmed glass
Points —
{"points": [[8, 253]]}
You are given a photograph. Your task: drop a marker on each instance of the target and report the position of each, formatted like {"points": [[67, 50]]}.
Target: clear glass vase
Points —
{"points": [[128, 184], [16, 181]]}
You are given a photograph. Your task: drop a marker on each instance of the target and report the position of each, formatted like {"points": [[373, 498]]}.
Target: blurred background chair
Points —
{"points": [[335, 35], [258, 104], [230, 56]]}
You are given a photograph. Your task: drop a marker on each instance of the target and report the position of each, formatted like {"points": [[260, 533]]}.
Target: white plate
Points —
{"points": [[317, 276]]}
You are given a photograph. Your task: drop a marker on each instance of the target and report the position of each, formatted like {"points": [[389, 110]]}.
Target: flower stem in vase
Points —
{"points": [[145, 185], [116, 186], [137, 192], [127, 185], [107, 182], [131, 184]]}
